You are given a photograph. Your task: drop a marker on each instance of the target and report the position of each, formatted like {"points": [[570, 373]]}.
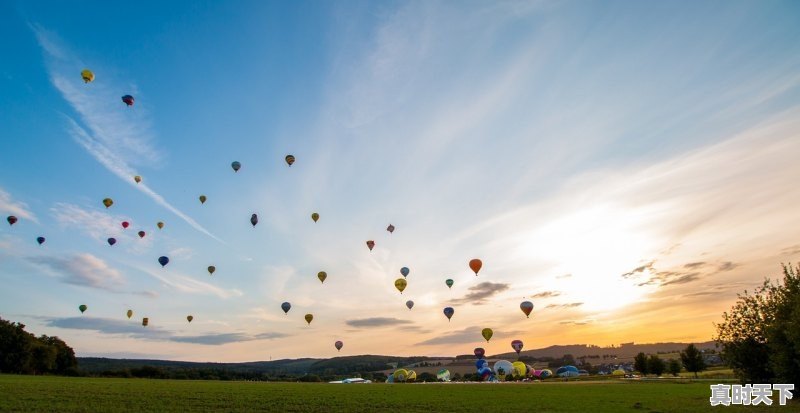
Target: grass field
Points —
{"points": [[62, 394]]}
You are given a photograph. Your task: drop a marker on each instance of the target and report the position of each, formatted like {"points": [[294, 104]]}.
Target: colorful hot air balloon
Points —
{"points": [[83, 308], [322, 275], [145, 321], [40, 240], [112, 241], [87, 75], [400, 375], [390, 228], [448, 312], [128, 99], [129, 313], [400, 284], [315, 217], [487, 333], [286, 307], [254, 219], [517, 346], [290, 159], [141, 234], [308, 318], [518, 369], [189, 318], [370, 244], [410, 304], [108, 202], [202, 199], [475, 265], [412, 375], [211, 269], [526, 307], [443, 375], [163, 261], [160, 225], [449, 283], [503, 368], [479, 352], [338, 345], [404, 271], [137, 178], [11, 220], [236, 166], [125, 224]]}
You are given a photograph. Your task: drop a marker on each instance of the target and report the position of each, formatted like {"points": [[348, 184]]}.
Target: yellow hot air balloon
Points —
{"points": [[412, 375], [322, 275], [137, 178], [487, 333], [130, 313], [145, 321], [309, 317], [518, 369], [160, 225], [400, 375], [400, 284], [189, 318], [315, 217], [87, 75], [108, 202], [203, 199]]}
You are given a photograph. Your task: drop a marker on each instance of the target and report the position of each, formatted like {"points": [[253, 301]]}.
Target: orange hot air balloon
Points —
{"points": [[475, 265], [370, 245]]}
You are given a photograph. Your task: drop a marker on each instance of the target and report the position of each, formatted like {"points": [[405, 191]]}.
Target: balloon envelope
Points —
{"points": [[390, 228], [290, 159], [112, 241], [87, 75], [202, 199], [400, 284], [236, 165], [125, 224], [315, 217], [526, 307], [546, 373], [322, 275], [189, 318], [518, 369], [82, 307], [517, 345], [286, 307], [567, 371], [400, 375], [404, 271], [40, 240], [338, 345], [443, 375], [503, 368], [481, 363], [145, 321], [163, 261], [485, 373], [137, 178], [160, 225], [130, 313], [128, 99], [211, 269], [487, 333], [309, 317], [479, 352], [449, 283], [11, 220], [410, 304], [141, 234], [475, 265], [370, 245], [448, 312], [108, 202], [412, 375], [254, 219]]}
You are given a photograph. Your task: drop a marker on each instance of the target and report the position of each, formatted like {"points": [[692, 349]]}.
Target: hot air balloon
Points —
{"points": [[412, 375], [128, 99], [163, 261], [40, 240], [400, 284], [286, 307], [400, 375], [449, 283], [145, 321], [526, 307], [517, 346], [502, 368], [487, 333], [236, 166], [567, 371], [130, 313], [390, 228], [518, 369], [485, 374], [125, 224], [322, 275], [137, 178], [83, 308], [189, 318], [141, 234], [410, 304], [87, 75], [545, 373], [448, 312], [254, 219], [160, 225], [308, 318], [290, 159], [112, 241], [370, 245], [211, 269], [108, 202], [315, 217], [475, 265], [479, 352], [338, 345], [404, 271], [202, 199], [11, 220], [443, 375]]}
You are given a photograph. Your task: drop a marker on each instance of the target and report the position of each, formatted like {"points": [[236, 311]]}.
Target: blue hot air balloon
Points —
{"points": [[286, 307], [404, 271], [40, 240], [163, 261], [112, 241], [567, 371], [448, 312]]}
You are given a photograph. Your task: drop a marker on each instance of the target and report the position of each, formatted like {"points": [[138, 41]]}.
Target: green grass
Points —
{"points": [[62, 394]]}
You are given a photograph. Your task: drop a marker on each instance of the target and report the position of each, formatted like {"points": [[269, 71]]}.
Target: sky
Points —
{"points": [[629, 167]]}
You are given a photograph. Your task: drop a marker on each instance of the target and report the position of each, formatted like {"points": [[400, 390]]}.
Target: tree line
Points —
{"points": [[24, 353]]}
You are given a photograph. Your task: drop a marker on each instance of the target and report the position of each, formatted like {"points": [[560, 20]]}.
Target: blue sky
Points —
{"points": [[626, 166]]}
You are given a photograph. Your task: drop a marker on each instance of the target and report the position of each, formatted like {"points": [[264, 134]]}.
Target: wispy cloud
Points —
{"points": [[115, 139], [187, 284], [546, 294], [377, 322], [567, 305], [467, 335], [17, 208], [84, 270], [479, 294]]}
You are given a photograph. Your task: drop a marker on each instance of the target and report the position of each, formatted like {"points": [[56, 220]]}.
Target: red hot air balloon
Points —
{"points": [[517, 346], [125, 224], [370, 245], [526, 307], [479, 352], [475, 265], [11, 220], [338, 345], [128, 99]]}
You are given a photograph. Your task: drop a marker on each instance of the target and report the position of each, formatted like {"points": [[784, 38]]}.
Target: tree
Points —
{"points": [[674, 367], [655, 365], [760, 337], [640, 363], [692, 360], [15, 347]]}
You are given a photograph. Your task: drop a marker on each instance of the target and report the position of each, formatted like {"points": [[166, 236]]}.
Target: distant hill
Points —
{"points": [[625, 350]]}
